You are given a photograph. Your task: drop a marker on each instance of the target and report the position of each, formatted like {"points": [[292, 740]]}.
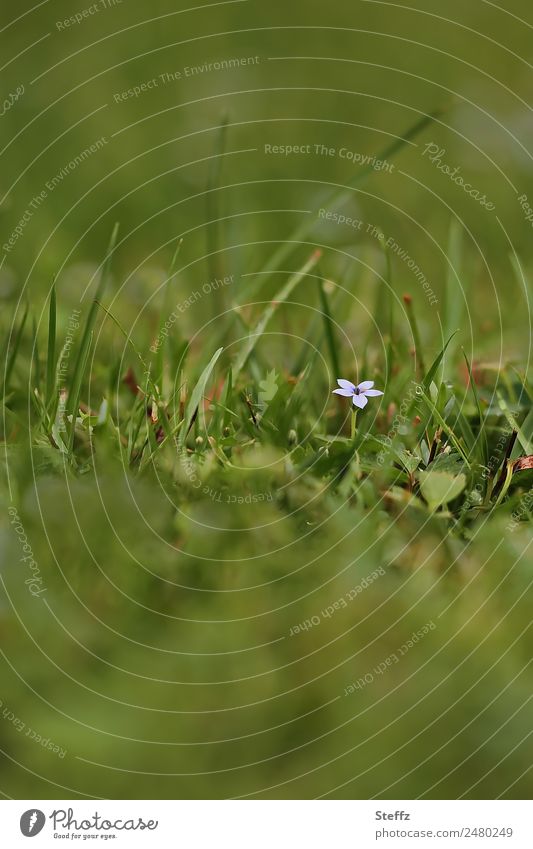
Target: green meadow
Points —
{"points": [[220, 579]]}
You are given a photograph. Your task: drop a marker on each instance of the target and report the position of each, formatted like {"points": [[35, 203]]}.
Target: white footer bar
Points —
{"points": [[267, 824]]}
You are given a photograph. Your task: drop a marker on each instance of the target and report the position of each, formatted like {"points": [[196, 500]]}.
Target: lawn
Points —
{"points": [[220, 576]]}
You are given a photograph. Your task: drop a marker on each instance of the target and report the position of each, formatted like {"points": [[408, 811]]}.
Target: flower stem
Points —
{"points": [[354, 418]]}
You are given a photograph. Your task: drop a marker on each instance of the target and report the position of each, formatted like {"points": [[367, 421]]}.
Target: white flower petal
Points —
{"points": [[346, 384], [360, 401], [373, 393], [366, 384], [346, 393]]}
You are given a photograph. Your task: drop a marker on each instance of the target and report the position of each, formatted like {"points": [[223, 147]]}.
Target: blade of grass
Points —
{"points": [[523, 384], [196, 397], [227, 399], [77, 393], [36, 359], [14, 352], [129, 340], [383, 308], [386, 306], [482, 431], [329, 328], [507, 478], [463, 424], [279, 298], [501, 480], [162, 337], [337, 198], [82, 357], [455, 300], [214, 261], [413, 324], [445, 427], [134, 425], [311, 335], [436, 363], [151, 386], [51, 350], [524, 441]]}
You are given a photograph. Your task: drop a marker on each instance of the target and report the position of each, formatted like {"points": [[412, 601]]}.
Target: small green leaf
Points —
{"points": [[409, 461], [451, 463], [439, 488]]}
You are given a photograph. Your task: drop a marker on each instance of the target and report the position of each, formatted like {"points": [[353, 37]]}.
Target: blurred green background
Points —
{"points": [[162, 660]]}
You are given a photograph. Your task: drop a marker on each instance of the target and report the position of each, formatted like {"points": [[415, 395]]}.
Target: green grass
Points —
{"points": [[188, 505], [165, 492], [448, 425], [201, 506]]}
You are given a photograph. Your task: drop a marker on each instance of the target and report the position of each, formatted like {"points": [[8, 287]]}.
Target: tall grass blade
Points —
{"points": [[329, 328], [338, 198], [213, 240], [83, 353], [413, 324], [482, 431], [526, 443], [197, 396], [14, 352], [455, 289], [445, 427], [51, 350], [162, 337], [436, 363], [283, 294]]}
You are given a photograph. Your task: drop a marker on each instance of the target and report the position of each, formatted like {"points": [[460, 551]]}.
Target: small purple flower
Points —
{"points": [[360, 393]]}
